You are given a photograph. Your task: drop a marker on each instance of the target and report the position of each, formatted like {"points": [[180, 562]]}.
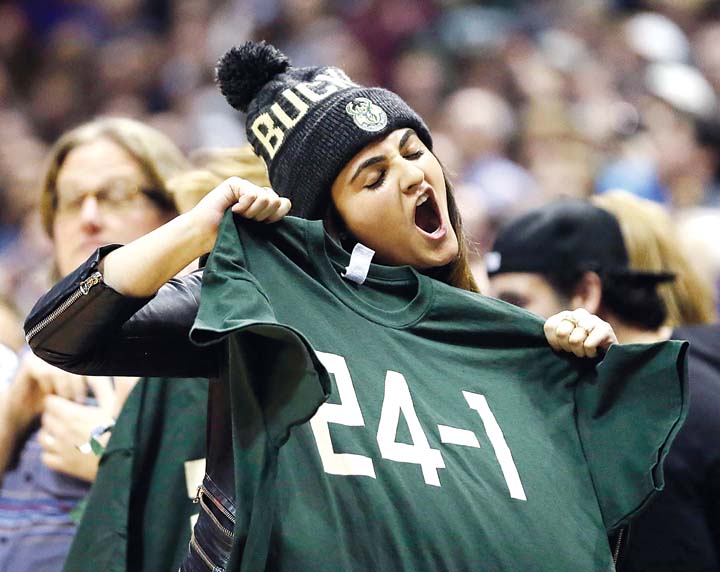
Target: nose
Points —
{"points": [[412, 177], [90, 213]]}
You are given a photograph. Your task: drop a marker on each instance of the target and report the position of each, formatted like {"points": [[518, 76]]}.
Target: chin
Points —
{"points": [[439, 261], [449, 253]]}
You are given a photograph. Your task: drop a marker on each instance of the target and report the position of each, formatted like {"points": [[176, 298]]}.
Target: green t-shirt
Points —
{"points": [[453, 438], [139, 512]]}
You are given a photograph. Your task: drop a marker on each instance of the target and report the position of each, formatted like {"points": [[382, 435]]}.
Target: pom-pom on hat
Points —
{"points": [[307, 123]]}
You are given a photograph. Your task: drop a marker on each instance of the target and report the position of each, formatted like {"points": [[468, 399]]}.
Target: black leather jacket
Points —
{"points": [[83, 326]]}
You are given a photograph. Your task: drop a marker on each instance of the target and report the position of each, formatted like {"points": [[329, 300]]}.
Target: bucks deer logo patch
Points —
{"points": [[367, 115]]}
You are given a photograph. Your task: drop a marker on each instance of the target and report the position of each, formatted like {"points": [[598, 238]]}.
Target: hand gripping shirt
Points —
{"points": [[453, 437]]}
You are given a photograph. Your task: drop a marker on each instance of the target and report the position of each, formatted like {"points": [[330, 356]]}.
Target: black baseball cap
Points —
{"points": [[568, 235]]}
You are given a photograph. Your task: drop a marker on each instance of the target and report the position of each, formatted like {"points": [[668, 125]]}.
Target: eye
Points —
{"points": [[379, 181], [515, 299], [120, 190], [415, 156]]}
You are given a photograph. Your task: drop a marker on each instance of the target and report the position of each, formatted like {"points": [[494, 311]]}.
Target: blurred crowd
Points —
{"points": [[527, 100]]}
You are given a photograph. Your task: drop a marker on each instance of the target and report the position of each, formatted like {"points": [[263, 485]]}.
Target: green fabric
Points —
{"points": [[454, 437], [604, 424], [138, 512]]}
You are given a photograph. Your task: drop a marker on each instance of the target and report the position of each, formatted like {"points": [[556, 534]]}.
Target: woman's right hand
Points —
{"points": [[140, 268], [245, 199]]}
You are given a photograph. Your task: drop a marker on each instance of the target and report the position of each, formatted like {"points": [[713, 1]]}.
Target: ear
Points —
{"points": [[588, 293]]}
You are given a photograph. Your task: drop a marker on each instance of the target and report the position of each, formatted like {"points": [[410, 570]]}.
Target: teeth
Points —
{"points": [[423, 199]]}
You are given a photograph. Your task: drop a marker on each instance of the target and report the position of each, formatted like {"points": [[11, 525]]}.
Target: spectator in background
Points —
{"points": [[625, 278], [105, 182], [483, 126], [11, 340], [140, 510], [699, 231], [680, 529], [546, 261], [11, 335], [676, 157], [654, 245]]}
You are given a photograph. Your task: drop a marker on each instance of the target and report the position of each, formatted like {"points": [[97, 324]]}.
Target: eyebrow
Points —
{"points": [[379, 158], [409, 133], [367, 163]]}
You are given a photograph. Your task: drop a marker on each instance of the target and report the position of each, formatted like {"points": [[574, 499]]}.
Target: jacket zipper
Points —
{"points": [[83, 290], [618, 543], [202, 494], [203, 556]]}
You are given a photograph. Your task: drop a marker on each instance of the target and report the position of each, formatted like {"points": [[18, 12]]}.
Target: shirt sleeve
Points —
{"points": [[84, 326], [267, 362], [628, 411]]}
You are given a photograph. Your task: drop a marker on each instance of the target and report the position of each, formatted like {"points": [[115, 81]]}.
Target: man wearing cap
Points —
{"points": [[570, 254]]}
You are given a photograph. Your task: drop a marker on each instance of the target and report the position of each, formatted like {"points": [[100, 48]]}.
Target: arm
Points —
{"points": [[124, 315], [141, 267], [9, 435], [22, 401], [103, 332]]}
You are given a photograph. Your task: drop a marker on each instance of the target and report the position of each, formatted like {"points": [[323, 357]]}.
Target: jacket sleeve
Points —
{"points": [[83, 326]]}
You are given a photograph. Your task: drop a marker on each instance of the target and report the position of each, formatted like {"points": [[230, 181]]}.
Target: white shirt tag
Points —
{"points": [[359, 266]]}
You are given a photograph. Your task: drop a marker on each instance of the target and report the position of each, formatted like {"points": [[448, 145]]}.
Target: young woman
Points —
{"points": [[367, 416]]}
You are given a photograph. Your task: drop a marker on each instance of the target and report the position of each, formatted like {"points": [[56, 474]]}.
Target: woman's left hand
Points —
{"points": [[580, 332]]}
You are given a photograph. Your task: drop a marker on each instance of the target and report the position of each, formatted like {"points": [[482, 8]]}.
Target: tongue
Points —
{"points": [[426, 218]]}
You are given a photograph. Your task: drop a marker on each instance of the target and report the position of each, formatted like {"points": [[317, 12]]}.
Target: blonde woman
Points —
{"points": [[679, 530], [653, 245], [212, 165]]}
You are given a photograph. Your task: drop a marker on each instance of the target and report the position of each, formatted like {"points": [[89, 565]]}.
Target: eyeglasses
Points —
{"points": [[118, 195]]}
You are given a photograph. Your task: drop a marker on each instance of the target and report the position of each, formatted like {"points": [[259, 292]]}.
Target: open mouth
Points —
{"points": [[427, 214]]}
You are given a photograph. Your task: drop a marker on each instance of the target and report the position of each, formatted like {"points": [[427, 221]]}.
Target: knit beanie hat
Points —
{"points": [[307, 123]]}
